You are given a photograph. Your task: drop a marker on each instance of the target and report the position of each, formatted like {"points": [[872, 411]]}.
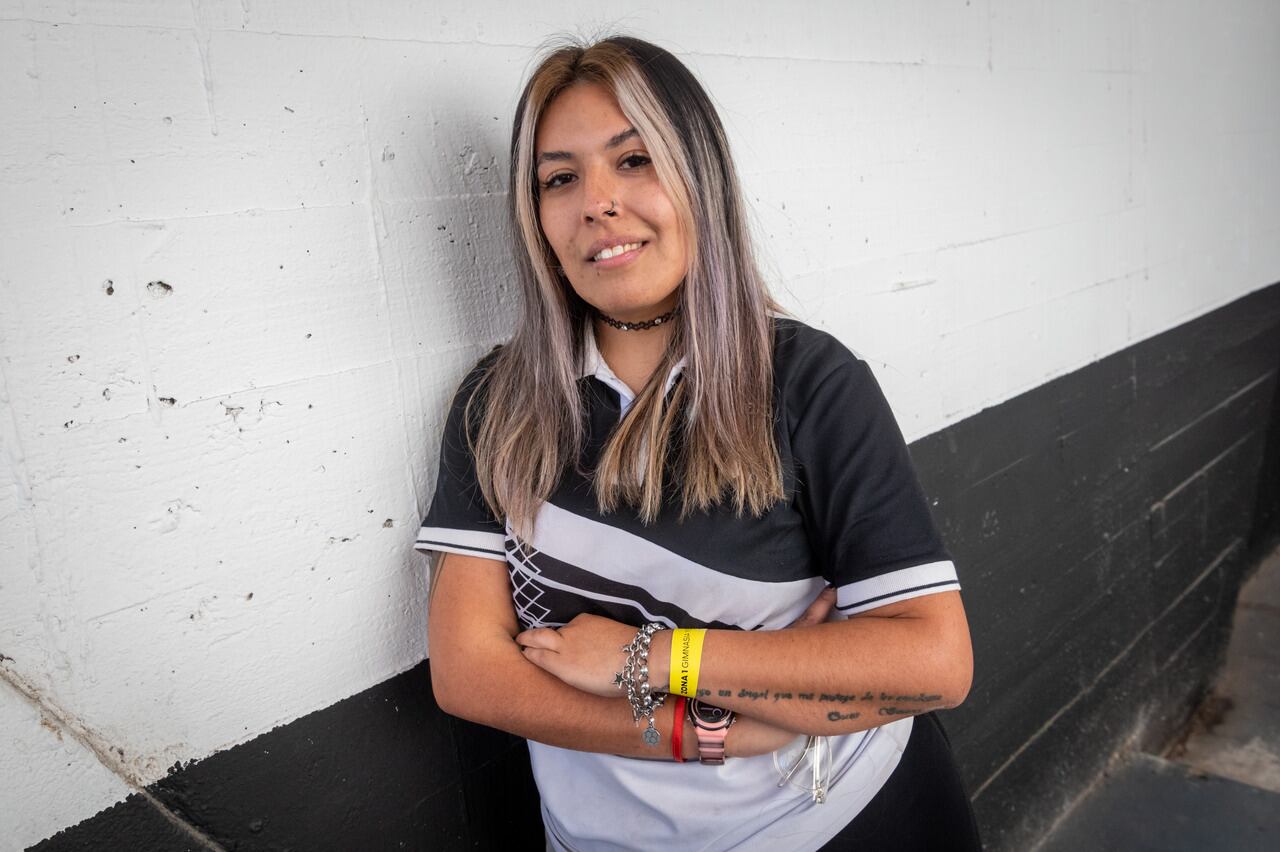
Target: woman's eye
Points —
{"points": [[635, 161], [557, 180]]}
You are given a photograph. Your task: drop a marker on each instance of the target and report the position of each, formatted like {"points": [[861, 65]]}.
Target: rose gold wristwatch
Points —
{"points": [[712, 725]]}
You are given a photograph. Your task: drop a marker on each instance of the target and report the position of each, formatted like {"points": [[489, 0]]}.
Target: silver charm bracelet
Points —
{"points": [[634, 680]]}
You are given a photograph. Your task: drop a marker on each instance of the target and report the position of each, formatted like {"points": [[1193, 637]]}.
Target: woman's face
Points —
{"points": [[609, 222]]}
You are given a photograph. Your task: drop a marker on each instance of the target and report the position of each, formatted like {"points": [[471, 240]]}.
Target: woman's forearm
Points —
{"points": [[522, 699], [478, 673], [837, 677]]}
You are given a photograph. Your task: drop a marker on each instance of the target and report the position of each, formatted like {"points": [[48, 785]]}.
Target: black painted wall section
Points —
{"points": [[1102, 524], [385, 769]]}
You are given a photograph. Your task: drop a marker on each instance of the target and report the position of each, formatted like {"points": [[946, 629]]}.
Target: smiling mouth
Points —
{"points": [[615, 251]]}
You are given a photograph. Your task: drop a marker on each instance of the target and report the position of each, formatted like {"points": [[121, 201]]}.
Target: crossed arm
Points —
{"points": [[556, 685]]}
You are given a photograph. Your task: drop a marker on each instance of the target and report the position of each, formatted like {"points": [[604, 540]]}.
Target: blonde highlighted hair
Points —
{"points": [[714, 434]]}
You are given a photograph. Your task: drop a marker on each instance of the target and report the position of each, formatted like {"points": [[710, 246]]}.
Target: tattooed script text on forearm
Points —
{"points": [[889, 704]]}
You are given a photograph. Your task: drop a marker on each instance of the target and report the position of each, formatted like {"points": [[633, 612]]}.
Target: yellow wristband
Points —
{"points": [[686, 661]]}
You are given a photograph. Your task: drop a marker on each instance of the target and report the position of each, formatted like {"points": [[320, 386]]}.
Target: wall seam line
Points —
{"points": [[81, 734]]}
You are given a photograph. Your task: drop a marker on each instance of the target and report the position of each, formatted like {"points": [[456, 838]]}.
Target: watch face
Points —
{"points": [[708, 714]]}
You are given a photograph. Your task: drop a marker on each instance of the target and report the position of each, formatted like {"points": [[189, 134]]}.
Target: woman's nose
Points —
{"points": [[600, 199]]}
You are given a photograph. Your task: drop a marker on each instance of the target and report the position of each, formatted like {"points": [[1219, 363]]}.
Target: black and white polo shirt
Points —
{"points": [[854, 516]]}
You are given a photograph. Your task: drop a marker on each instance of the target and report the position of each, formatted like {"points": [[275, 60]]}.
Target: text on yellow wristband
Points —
{"points": [[686, 661]]}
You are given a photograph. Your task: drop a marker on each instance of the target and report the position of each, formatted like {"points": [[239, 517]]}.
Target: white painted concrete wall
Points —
{"points": [[210, 484]]}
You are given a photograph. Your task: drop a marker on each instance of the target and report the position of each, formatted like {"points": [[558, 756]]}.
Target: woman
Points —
{"points": [[657, 445]]}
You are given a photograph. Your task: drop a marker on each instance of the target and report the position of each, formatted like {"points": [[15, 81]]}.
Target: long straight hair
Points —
{"points": [[717, 425]]}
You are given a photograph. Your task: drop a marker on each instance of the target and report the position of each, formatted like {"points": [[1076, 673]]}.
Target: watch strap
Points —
{"points": [[711, 737]]}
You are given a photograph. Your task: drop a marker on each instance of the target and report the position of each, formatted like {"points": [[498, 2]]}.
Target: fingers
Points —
{"points": [[817, 612], [546, 638], [539, 645], [538, 656]]}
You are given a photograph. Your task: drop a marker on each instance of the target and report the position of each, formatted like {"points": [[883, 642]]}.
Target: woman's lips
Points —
{"points": [[619, 259]]}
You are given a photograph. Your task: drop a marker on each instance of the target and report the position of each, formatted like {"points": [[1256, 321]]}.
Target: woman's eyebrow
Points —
{"points": [[614, 142]]}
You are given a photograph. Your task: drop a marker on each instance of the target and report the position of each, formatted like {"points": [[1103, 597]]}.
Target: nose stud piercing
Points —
{"points": [[611, 211]]}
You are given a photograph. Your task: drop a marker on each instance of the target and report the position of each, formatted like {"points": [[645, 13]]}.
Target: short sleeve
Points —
{"points": [[459, 520], [868, 522]]}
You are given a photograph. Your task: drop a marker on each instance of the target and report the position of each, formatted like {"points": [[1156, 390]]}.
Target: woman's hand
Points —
{"points": [[817, 612], [585, 653], [588, 651]]}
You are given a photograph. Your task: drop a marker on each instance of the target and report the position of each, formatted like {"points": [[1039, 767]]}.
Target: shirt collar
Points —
{"points": [[593, 364]]}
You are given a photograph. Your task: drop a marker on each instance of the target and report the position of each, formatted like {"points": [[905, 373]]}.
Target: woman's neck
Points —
{"points": [[632, 355]]}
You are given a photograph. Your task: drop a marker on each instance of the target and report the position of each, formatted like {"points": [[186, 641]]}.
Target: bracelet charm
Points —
{"points": [[634, 680]]}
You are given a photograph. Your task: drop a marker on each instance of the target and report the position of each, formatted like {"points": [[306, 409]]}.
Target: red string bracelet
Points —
{"points": [[677, 730]]}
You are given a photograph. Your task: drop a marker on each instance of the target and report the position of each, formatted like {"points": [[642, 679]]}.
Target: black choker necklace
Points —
{"points": [[639, 326]]}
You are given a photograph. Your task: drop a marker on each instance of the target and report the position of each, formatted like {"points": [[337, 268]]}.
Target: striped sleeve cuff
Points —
{"points": [[465, 542], [895, 586]]}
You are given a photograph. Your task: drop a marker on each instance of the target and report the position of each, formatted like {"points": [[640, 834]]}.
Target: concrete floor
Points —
{"points": [[1220, 790], [1245, 744]]}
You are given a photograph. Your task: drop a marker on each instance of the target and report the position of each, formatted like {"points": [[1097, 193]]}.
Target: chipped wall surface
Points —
{"points": [[248, 248]]}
